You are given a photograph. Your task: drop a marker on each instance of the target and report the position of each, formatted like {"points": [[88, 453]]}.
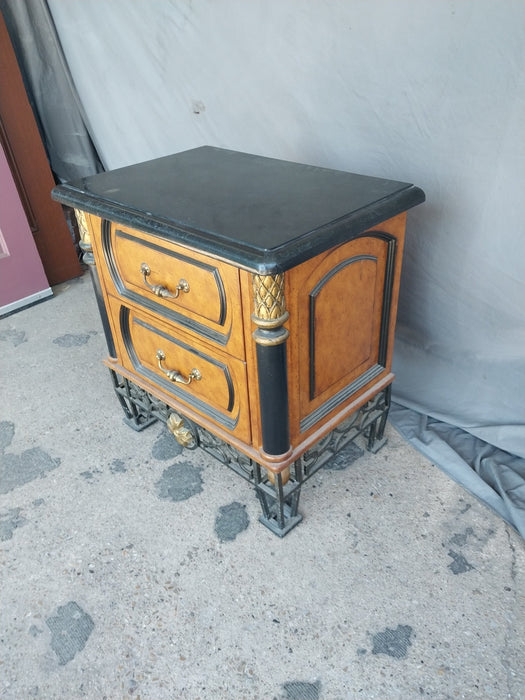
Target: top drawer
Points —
{"points": [[190, 289]]}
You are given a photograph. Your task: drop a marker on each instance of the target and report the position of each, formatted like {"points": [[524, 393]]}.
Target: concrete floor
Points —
{"points": [[131, 569]]}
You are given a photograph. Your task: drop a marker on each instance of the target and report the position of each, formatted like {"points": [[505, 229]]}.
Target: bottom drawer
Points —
{"points": [[207, 381]]}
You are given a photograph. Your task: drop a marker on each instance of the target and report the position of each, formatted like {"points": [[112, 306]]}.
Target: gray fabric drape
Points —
{"points": [[50, 89], [493, 475]]}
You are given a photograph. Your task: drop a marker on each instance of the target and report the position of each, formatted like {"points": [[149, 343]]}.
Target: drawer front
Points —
{"points": [[196, 292], [209, 382]]}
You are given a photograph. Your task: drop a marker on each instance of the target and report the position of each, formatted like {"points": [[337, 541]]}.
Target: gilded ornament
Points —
{"points": [[269, 303], [85, 238], [180, 431]]}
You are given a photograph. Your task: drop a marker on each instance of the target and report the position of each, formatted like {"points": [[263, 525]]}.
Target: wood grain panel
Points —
{"points": [[342, 316], [346, 297]]}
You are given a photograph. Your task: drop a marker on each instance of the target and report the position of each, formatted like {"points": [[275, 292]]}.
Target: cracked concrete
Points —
{"points": [[131, 568]]}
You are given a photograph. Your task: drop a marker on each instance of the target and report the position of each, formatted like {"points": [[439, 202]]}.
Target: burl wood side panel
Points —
{"points": [[342, 306], [343, 317]]}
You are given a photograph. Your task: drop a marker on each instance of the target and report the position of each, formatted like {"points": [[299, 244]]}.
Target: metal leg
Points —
{"points": [[279, 502]]}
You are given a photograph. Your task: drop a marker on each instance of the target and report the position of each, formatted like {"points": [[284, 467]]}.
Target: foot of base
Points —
{"points": [[377, 445], [273, 524], [139, 425]]}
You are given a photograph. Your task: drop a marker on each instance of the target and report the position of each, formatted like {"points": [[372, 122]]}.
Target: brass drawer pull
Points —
{"points": [[173, 374], [158, 289]]}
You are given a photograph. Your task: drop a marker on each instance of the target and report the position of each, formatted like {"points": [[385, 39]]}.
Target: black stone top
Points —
{"points": [[263, 214]]}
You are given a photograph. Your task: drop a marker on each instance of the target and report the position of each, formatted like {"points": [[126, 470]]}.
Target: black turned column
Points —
{"points": [[280, 498], [270, 337], [89, 259]]}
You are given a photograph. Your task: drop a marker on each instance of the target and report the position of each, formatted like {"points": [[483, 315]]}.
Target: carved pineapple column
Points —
{"points": [[270, 336], [89, 259], [281, 500], [85, 238]]}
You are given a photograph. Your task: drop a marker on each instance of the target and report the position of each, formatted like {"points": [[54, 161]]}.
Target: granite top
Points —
{"points": [[265, 215]]}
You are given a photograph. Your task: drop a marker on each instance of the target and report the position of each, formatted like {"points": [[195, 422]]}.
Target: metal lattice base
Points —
{"points": [[140, 408], [278, 494]]}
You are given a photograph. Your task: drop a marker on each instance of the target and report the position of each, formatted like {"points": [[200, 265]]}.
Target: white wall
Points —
{"points": [[427, 91]]}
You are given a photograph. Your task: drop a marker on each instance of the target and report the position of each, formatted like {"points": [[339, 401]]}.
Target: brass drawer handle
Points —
{"points": [[158, 289], [173, 374]]}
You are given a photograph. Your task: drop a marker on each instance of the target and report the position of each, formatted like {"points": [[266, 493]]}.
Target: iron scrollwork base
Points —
{"points": [[279, 498], [140, 408]]}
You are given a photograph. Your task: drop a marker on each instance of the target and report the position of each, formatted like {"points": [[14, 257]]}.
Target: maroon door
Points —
{"points": [[22, 277], [30, 169]]}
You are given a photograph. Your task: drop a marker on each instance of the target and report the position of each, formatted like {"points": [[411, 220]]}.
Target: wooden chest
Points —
{"points": [[251, 304]]}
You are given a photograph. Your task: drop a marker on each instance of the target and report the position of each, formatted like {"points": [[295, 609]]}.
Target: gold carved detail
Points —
{"points": [[273, 339], [269, 304], [181, 432], [83, 229], [85, 238]]}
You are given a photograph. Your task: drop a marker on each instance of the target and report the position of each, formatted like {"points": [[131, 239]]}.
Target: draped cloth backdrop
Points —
{"points": [[427, 92]]}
